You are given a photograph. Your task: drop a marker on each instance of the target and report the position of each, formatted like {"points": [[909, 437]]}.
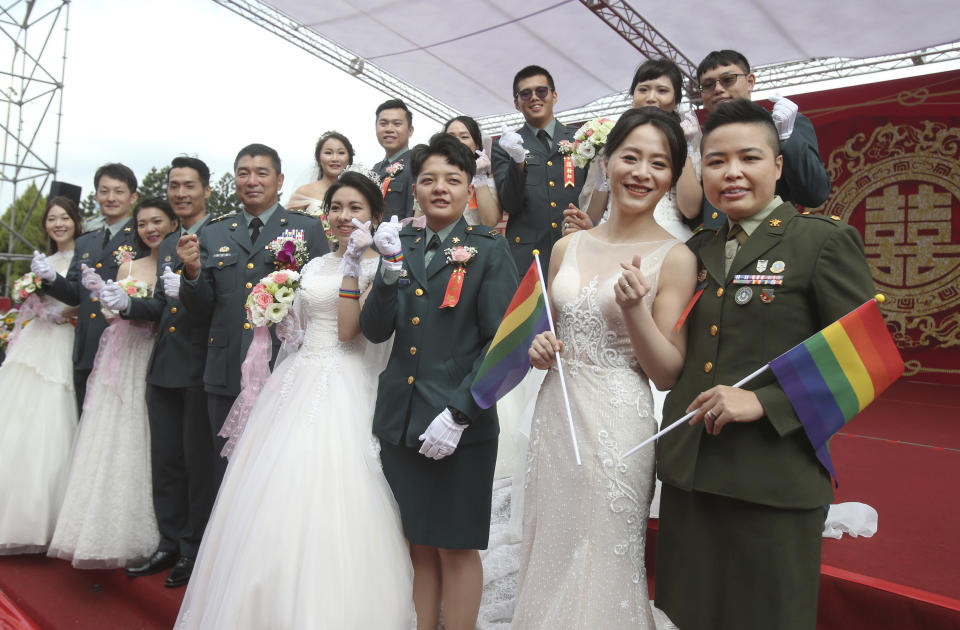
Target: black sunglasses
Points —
{"points": [[542, 92]]}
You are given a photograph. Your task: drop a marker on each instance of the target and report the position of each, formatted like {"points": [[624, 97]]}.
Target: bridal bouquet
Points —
{"points": [[7, 322], [270, 299], [26, 285], [289, 250], [134, 288], [587, 141]]}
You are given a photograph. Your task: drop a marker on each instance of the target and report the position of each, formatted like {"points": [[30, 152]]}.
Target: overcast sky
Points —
{"points": [[145, 82]]}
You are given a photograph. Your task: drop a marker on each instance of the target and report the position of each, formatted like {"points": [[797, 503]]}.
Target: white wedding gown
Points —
{"points": [[107, 518], [584, 527], [37, 429], [305, 532]]}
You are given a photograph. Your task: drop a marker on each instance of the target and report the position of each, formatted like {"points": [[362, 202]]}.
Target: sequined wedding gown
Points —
{"points": [[584, 527]]}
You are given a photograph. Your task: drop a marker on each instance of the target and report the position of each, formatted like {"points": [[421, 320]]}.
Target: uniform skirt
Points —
{"points": [[443, 503], [725, 564]]}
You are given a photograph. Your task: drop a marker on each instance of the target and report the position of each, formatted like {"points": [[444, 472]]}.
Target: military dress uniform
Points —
{"points": [[436, 353], [741, 512], [536, 195], [230, 266], [183, 458], [91, 250], [398, 192], [804, 180]]}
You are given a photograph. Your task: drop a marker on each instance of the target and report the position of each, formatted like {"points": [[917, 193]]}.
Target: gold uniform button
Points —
{"points": [[179, 272], [714, 330], [211, 339], [249, 265], [553, 204], [94, 299], [554, 224], [707, 366], [220, 263], [720, 292], [246, 325], [172, 328], [249, 285], [413, 349], [552, 183], [549, 163], [714, 215], [415, 321], [516, 240], [409, 380], [418, 292], [98, 265], [93, 315], [173, 310]]}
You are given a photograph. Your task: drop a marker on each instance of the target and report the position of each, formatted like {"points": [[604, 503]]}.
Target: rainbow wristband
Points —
{"points": [[398, 257], [350, 294]]}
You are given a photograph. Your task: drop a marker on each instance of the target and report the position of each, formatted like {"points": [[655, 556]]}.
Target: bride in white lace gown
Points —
{"points": [[617, 291], [305, 532]]}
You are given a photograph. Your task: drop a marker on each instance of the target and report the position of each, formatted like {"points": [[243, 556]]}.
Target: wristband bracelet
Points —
{"points": [[398, 257], [350, 294]]}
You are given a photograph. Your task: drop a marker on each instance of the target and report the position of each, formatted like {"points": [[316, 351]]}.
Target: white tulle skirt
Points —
{"points": [[36, 434], [305, 532], [107, 519]]}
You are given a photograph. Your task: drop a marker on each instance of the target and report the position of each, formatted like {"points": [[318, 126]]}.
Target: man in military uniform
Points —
{"points": [[183, 458], [724, 75], [225, 261], [96, 251], [535, 182], [394, 129], [441, 292], [741, 512]]}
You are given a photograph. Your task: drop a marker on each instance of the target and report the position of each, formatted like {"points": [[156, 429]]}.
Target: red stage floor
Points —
{"points": [[901, 456]]}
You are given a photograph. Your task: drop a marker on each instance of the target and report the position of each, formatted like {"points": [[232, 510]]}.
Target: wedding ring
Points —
{"points": [[566, 225], [709, 414]]}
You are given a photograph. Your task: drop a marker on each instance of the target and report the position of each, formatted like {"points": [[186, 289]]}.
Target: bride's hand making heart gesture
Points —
{"points": [[632, 285]]}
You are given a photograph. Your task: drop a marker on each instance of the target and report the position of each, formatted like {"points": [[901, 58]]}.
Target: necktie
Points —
{"points": [[545, 139], [106, 238], [737, 232], [432, 248], [255, 225]]}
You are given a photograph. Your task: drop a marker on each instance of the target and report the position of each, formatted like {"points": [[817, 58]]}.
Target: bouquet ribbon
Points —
{"points": [[568, 172], [451, 296], [254, 372]]}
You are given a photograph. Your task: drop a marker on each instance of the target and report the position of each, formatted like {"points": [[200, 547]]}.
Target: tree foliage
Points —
{"points": [[31, 203]]}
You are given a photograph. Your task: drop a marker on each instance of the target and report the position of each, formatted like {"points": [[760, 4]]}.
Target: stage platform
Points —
{"points": [[902, 456]]}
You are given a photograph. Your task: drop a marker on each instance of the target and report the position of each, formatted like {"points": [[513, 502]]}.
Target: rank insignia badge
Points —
{"points": [[775, 222], [224, 249], [777, 266], [761, 266], [743, 295]]}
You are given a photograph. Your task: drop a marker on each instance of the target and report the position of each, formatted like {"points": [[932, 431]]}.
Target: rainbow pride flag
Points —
{"points": [[836, 373], [507, 361]]}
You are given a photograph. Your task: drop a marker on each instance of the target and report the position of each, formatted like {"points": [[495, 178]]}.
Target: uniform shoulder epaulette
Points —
{"points": [[832, 219], [302, 213], [229, 215], [482, 230]]}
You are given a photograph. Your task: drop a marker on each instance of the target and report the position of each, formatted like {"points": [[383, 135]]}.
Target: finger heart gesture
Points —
{"points": [[632, 285]]}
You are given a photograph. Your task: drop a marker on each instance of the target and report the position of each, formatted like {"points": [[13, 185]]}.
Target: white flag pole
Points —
{"points": [[676, 424], [563, 383]]}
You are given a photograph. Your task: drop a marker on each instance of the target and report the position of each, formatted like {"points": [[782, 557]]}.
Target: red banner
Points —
{"points": [[892, 150]]}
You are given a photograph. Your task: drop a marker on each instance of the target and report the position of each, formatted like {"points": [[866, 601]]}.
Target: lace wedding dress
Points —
{"points": [[107, 518], [38, 425], [305, 532], [584, 527]]}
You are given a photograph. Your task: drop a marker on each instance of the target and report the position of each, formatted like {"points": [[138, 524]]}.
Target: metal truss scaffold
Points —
{"points": [[35, 35]]}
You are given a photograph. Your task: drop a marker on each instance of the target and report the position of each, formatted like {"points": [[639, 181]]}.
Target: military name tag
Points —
{"points": [[744, 278], [743, 295]]}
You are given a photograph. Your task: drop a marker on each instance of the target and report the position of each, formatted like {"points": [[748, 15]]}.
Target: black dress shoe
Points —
{"points": [[181, 573], [159, 561]]}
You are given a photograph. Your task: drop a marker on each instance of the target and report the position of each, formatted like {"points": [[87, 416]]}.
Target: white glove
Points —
{"points": [[784, 115], [442, 436], [114, 297], [290, 330], [483, 170], [90, 279], [691, 131], [171, 283], [41, 267], [360, 240], [387, 240], [511, 142]]}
